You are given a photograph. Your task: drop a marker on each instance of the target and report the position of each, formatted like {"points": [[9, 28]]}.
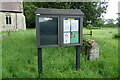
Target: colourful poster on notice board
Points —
{"points": [[74, 37]]}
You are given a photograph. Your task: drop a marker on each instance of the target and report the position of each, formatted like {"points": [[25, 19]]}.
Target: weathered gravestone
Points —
{"points": [[92, 49]]}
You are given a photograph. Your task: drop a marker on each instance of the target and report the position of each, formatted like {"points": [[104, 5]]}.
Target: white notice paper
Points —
{"points": [[66, 38], [66, 25], [74, 25]]}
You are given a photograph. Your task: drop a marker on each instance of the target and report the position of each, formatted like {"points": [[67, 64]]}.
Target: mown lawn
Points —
{"points": [[0, 56], [19, 58]]}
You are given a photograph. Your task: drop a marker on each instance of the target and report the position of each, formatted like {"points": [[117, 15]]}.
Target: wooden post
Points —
{"points": [[91, 33], [39, 60], [77, 57]]}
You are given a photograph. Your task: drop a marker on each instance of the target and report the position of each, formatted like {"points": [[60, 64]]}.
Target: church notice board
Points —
{"points": [[58, 27]]}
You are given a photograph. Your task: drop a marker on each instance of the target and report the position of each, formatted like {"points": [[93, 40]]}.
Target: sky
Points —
{"points": [[112, 10]]}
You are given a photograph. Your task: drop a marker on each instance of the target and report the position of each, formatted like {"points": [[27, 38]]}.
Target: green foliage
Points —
{"points": [[29, 10], [19, 58], [116, 36], [89, 26], [110, 23], [92, 10], [99, 23], [118, 22]]}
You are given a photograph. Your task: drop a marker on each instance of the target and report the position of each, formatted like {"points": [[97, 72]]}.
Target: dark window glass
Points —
{"points": [[10, 20], [48, 30], [6, 20]]}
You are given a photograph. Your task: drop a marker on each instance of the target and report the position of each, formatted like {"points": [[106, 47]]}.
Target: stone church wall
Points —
{"points": [[17, 21]]}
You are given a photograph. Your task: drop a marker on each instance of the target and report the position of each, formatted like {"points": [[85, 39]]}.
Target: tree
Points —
{"points": [[118, 22], [92, 10], [100, 22], [110, 23], [29, 9], [89, 26]]}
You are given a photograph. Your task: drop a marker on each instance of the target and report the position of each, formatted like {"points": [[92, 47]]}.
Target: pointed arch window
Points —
{"points": [[8, 19]]}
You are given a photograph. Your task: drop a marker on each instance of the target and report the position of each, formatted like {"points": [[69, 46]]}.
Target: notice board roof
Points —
{"points": [[59, 11]]}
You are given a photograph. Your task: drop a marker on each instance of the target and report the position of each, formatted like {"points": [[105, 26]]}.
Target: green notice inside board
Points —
{"points": [[74, 37]]}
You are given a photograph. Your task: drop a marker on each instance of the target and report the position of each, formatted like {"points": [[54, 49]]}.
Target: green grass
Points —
{"points": [[19, 58], [101, 29], [0, 57], [102, 33]]}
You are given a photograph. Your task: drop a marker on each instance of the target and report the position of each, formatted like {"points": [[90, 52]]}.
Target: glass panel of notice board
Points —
{"points": [[71, 30], [48, 30]]}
